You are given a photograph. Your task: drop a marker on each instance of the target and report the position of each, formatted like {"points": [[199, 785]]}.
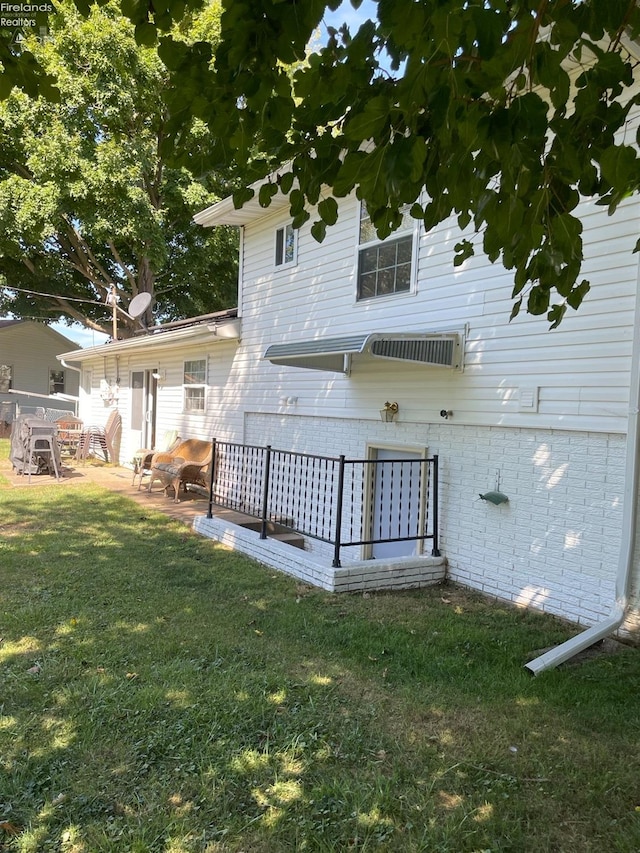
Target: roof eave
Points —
{"points": [[157, 339], [225, 213]]}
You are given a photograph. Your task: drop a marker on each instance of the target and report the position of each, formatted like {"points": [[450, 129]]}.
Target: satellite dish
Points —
{"points": [[139, 304]]}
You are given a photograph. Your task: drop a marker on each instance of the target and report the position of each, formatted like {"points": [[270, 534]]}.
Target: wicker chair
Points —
{"points": [[187, 463], [142, 457]]}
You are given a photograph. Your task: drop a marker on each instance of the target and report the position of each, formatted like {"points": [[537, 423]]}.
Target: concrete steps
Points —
{"points": [[274, 530]]}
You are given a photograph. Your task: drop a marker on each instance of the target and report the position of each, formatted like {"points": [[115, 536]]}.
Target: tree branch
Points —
{"points": [[130, 277], [82, 248]]}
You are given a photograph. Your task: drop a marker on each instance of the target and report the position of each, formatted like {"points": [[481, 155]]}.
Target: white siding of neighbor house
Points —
{"points": [[31, 348]]}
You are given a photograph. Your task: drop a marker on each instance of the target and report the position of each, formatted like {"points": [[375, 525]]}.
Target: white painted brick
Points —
{"points": [[560, 531]]}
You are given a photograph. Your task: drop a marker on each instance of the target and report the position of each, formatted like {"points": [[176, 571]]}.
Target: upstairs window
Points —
{"points": [[286, 245], [385, 266], [56, 381], [194, 382]]}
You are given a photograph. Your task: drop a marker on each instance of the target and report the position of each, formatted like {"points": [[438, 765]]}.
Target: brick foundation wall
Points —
{"points": [[554, 546]]}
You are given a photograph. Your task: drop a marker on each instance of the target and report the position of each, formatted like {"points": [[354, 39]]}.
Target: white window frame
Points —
{"points": [[285, 246], [407, 231], [52, 382], [192, 385]]}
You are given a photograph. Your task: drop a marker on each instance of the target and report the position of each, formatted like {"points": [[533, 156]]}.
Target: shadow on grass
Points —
{"points": [[164, 694]]}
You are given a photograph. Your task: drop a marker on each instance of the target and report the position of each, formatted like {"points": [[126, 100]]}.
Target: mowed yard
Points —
{"points": [[162, 694]]}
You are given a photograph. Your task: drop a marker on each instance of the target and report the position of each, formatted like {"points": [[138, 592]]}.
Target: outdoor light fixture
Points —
{"points": [[389, 412]]}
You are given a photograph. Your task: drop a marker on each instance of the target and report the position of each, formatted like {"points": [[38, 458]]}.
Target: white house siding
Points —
{"points": [[221, 418], [579, 372], [555, 545]]}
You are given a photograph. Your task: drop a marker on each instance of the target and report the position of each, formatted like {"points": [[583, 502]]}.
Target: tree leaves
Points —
{"points": [[621, 167], [328, 210], [504, 113], [463, 250], [369, 123], [267, 192], [88, 199]]}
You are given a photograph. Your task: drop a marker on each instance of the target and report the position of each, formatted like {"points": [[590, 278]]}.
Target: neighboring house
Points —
{"points": [[332, 332], [28, 363]]}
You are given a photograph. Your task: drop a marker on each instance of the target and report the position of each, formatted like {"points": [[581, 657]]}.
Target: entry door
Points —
{"points": [[143, 408], [397, 502]]}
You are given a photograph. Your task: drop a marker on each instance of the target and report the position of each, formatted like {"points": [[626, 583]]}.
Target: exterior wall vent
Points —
{"points": [[441, 351]]}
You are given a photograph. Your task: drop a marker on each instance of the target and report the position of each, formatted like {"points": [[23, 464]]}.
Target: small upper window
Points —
{"points": [[384, 266], [195, 380], [285, 245], [56, 381]]}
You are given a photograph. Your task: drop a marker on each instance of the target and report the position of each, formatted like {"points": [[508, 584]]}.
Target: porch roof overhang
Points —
{"points": [[219, 326], [437, 349]]}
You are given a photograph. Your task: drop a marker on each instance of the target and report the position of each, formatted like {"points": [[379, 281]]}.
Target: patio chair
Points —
{"points": [[185, 465], [105, 439], [69, 434], [143, 456]]}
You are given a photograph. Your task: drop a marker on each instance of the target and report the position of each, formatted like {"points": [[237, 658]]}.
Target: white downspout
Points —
{"points": [[599, 631], [78, 370]]}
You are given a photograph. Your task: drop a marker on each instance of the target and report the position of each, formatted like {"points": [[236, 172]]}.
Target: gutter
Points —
{"points": [[600, 630], [158, 338]]}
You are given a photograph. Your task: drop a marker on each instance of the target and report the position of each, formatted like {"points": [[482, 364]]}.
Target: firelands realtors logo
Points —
{"points": [[22, 19]]}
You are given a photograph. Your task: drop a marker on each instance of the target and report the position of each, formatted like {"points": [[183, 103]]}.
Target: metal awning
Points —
{"points": [[438, 349]]}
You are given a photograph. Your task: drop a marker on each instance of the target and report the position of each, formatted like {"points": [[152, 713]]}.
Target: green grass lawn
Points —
{"points": [[160, 693]]}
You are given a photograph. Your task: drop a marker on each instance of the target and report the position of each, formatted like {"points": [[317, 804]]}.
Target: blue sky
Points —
{"points": [[79, 335], [346, 14]]}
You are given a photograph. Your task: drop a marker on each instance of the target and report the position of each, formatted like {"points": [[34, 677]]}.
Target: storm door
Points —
{"points": [[143, 408]]}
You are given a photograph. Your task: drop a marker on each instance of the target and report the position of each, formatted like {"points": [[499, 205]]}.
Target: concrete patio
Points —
{"points": [[116, 479]]}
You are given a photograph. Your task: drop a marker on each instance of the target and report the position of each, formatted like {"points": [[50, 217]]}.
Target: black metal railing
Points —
{"points": [[344, 502]]}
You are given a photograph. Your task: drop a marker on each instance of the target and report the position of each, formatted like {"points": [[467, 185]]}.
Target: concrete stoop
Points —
{"points": [[277, 553], [274, 530]]}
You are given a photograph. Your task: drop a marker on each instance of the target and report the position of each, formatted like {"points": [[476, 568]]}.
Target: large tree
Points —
{"points": [[508, 112], [89, 205]]}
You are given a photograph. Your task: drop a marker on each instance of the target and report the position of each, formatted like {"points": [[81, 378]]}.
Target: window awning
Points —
{"points": [[438, 349]]}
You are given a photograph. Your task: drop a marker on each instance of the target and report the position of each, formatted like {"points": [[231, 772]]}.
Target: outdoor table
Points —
{"points": [[34, 446]]}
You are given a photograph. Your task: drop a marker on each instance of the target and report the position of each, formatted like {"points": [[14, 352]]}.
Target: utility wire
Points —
{"points": [[51, 295]]}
